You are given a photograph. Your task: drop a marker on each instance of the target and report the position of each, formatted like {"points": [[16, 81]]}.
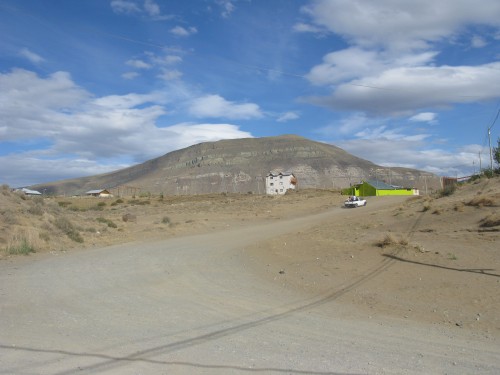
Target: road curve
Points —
{"points": [[190, 306]]}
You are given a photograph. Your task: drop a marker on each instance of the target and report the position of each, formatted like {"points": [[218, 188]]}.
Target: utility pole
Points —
{"points": [[489, 141]]}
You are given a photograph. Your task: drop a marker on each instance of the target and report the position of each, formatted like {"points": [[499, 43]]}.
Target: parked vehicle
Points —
{"points": [[354, 202]]}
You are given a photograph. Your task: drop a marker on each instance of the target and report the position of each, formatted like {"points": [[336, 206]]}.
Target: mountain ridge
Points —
{"points": [[240, 166]]}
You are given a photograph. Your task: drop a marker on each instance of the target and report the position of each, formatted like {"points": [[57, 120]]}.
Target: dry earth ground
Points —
{"points": [[428, 259]]}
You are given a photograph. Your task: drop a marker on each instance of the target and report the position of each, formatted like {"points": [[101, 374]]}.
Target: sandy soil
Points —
{"points": [[440, 266], [402, 262]]}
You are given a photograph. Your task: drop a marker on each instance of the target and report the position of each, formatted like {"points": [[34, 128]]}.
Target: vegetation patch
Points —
{"points": [[108, 222], [67, 227], [490, 221], [139, 202], [20, 246], [481, 201], [117, 202], [447, 191]]}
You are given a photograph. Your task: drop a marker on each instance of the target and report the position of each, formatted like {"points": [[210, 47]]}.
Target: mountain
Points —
{"points": [[240, 166]]}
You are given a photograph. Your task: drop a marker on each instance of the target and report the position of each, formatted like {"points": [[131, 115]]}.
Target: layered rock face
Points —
{"points": [[241, 165]]}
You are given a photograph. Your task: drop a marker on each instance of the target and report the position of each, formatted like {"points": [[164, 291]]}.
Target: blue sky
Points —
{"points": [[88, 87]]}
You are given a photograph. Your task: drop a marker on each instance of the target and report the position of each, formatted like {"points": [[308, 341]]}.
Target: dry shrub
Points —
{"points": [[21, 243], [5, 190], [388, 240], [68, 228], [492, 220], [481, 201], [9, 217], [129, 217], [459, 207], [36, 209]]}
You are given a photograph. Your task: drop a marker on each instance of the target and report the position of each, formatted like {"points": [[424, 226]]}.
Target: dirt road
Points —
{"points": [[192, 305]]}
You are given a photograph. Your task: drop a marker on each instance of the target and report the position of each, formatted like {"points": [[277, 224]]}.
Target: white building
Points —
{"points": [[101, 193], [279, 183]]}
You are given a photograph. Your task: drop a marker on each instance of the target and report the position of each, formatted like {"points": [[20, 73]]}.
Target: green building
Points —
{"points": [[372, 188]]}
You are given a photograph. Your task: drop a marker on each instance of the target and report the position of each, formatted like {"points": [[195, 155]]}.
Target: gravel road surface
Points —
{"points": [[189, 305]]}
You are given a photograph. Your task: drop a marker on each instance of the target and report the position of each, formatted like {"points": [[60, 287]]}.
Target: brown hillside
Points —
{"points": [[240, 166]]}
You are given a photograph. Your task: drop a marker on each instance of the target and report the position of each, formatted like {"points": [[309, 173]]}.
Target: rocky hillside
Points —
{"points": [[240, 166]]}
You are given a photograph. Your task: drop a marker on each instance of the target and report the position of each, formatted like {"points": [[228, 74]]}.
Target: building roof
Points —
{"points": [[382, 185], [30, 192], [274, 174], [98, 191]]}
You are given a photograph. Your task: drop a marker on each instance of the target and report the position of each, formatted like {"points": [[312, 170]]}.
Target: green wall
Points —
{"points": [[367, 190]]}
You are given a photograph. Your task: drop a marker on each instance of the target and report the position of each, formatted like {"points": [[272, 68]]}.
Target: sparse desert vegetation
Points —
{"points": [[421, 237]]}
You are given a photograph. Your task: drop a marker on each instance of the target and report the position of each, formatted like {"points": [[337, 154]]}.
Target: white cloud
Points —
{"points": [[162, 60], [124, 6], [400, 24], [307, 28], [413, 152], [217, 106], [139, 64], [478, 42], [130, 75], [169, 75], [31, 56], [429, 117], [355, 62], [405, 90], [151, 8], [182, 31], [227, 7], [287, 116], [80, 135], [390, 67]]}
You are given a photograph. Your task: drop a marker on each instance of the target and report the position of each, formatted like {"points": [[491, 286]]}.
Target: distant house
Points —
{"points": [[101, 193], [377, 188], [30, 192], [279, 183]]}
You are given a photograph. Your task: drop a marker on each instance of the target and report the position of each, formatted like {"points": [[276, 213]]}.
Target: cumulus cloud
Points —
{"points": [[405, 90], [169, 74], [478, 42], [182, 31], [429, 117], [400, 24], [152, 8], [130, 75], [75, 133], [217, 106], [125, 6], [287, 116], [139, 64], [148, 8], [31, 56], [355, 62], [390, 66], [302, 27], [227, 6], [414, 152]]}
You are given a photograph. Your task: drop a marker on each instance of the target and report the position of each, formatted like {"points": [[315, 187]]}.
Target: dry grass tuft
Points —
{"points": [[481, 201], [490, 221], [390, 240]]}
